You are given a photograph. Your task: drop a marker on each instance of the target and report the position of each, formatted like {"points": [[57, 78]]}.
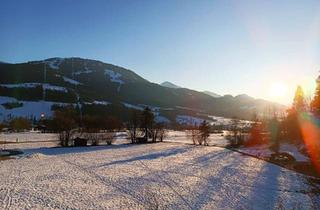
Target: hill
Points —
{"points": [[34, 87], [212, 94], [169, 85]]}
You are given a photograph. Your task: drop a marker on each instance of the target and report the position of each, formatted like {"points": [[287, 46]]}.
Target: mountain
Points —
{"points": [[212, 94], [169, 85], [35, 87]]}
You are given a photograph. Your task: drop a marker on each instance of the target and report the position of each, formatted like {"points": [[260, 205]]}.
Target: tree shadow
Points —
{"points": [[150, 156], [71, 150], [232, 186], [212, 156], [265, 193], [212, 189]]}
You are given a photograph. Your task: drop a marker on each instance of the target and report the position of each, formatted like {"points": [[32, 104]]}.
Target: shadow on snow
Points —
{"points": [[70, 150]]}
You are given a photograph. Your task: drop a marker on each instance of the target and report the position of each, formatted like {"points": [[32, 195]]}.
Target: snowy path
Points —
{"points": [[168, 175]]}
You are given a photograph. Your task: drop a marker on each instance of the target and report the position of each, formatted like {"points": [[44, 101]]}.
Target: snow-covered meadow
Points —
{"points": [[169, 175], [28, 140], [264, 151]]}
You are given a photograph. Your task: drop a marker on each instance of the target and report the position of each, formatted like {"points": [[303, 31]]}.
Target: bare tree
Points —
{"points": [[193, 133], [162, 134], [204, 130], [235, 131], [92, 125], [65, 123], [199, 134], [109, 137], [132, 126], [158, 131], [147, 121]]}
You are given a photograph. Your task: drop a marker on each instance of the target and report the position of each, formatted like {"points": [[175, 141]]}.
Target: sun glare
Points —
{"points": [[278, 90]]}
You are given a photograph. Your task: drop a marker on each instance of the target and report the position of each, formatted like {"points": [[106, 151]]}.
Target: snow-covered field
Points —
{"points": [[28, 137], [29, 108], [181, 137], [263, 151], [169, 175], [28, 140]]}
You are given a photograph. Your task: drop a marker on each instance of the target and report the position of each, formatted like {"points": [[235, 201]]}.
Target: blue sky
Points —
{"points": [[228, 47]]}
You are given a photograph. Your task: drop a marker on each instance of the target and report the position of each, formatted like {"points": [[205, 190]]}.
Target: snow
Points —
{"points": [[152, 108], [176, 176], [28, 137], [82, 72], [189, 108], [248, 107], [71, 81], [28, 140], [21, 85], [5, 99], [188, 120], [181, 137], [263, 151], [34, 85], [101, 102], [215, 120], [227, 121], [55, 88], [114, 77], [85, 71], [294, 151], [132, 106], [161, 119], [29, 108], [155, 111], [220, 120], [54, 63]]}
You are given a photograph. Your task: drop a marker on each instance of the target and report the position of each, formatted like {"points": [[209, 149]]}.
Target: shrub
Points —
{"points": [[80, 142], [109, 138], [2, 126], [93, 137], [158, 131], [193, 134], [65, 122], [20, 124]]}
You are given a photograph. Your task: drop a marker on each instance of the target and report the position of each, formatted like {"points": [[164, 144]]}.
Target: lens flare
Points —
{"points": [[309, 125]]}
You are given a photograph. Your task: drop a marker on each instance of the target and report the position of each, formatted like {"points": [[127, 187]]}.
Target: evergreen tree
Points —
{"points": [[274, 126], [315, 104], [291, 123], [255, 132], [299, 101]]}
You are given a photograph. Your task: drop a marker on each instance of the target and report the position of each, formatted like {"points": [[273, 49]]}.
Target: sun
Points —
{"points": [[278, 90]]}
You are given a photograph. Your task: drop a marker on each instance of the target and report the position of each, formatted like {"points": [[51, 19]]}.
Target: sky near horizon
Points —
{"points": [[260, 48]]}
